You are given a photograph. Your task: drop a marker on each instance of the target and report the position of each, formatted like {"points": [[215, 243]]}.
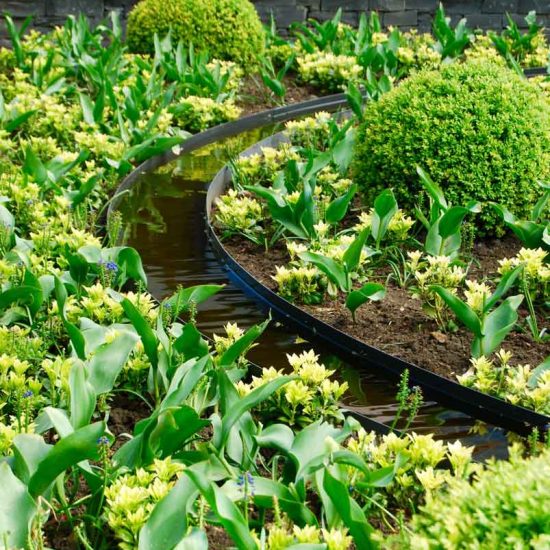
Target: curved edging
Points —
{"points": [[223, 131], [231, 129], [472, 402]]}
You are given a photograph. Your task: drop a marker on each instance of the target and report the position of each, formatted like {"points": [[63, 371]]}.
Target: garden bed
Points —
{"points": [[397, 325]]}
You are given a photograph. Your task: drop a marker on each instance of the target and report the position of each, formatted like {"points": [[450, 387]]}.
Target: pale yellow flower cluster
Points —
{"points": [[313, 395], [422, 472], [513, 383], [194, 113], [280, 537], [132, 497], [327, 70], [302, 283], [398, 228], [238, 213]]}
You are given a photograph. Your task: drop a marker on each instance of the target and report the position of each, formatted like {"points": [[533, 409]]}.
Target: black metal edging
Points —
{"points": [[223, 131], [231, 129], [472, 402]]}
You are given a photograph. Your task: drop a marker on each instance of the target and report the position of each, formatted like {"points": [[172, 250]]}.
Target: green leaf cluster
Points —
{"points": [[227, 29], [481, 131]]}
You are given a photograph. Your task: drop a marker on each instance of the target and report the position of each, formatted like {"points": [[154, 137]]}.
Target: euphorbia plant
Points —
{"points": [[489, 324]]}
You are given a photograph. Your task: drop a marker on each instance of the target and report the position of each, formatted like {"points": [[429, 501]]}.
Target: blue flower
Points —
{"points": [[28, 394], [111, 266], [103, 441]]}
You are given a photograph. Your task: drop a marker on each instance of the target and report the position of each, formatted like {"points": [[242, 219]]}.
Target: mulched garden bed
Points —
{"points": [[397, 324]]}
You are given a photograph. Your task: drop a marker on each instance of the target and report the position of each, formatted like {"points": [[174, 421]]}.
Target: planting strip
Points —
{"points": [[472, 402]]}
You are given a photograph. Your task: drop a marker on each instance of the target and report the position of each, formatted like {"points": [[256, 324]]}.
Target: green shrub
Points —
{"points": [[508, 506], [227, 29], [480, 130]]}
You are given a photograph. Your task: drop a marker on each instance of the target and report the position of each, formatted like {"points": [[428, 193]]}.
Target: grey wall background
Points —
{"points": [[486, 14]]}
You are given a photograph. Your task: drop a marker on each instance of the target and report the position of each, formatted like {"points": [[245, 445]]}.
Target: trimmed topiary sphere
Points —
{"points": [[227, 29], [478, 129]]}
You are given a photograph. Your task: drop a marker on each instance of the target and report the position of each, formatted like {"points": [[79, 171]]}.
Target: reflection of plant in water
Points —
{"points": [[139, 207]]}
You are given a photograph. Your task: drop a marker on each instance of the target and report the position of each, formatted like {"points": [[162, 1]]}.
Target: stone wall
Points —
{"points": [[486, 14]]}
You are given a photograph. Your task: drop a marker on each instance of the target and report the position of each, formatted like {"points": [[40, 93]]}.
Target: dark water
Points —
{"points": [[164, 220]]}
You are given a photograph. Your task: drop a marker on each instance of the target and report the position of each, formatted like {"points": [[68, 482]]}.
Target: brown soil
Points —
{"points": [[125, 412], [397, 324], [255, 97]]}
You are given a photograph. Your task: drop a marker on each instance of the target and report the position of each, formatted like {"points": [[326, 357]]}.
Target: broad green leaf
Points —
{"points": [[129, 263], [14, 124], [190, 342], [174, 427], [540, 206], [184, 381], [6, 218], [433, 189], [69, 451], [265, 490], [451, 221], [506, 283], [276, 436], [351, 513], [148, 337], [87, 109], [34, 167], [248, 402], [17, 509], [181, 300], [50, 417], [338, 208], [309, 444], [352, 256], [276, 86], [464, 313], [28, 451], [384, 476], [369, 292], [538, 372], [30, 296], [226, 512], [83, 396], [280, 211], [342, 152], [334, 272], [497, 326], [77, 339], [167, 523], [109, 360], [355, 100], [195, 540], [242, 345], [385, 208]]}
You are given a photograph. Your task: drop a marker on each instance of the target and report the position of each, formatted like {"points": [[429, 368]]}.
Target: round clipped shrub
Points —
{"points": [[507, 506], [478, 129], [227, 29]]}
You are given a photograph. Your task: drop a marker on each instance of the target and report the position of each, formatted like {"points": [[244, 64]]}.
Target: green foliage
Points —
{"points": [[533, 232], [508, 506], [480, 131], [489, 324], [445, 221], [227, 29]]}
